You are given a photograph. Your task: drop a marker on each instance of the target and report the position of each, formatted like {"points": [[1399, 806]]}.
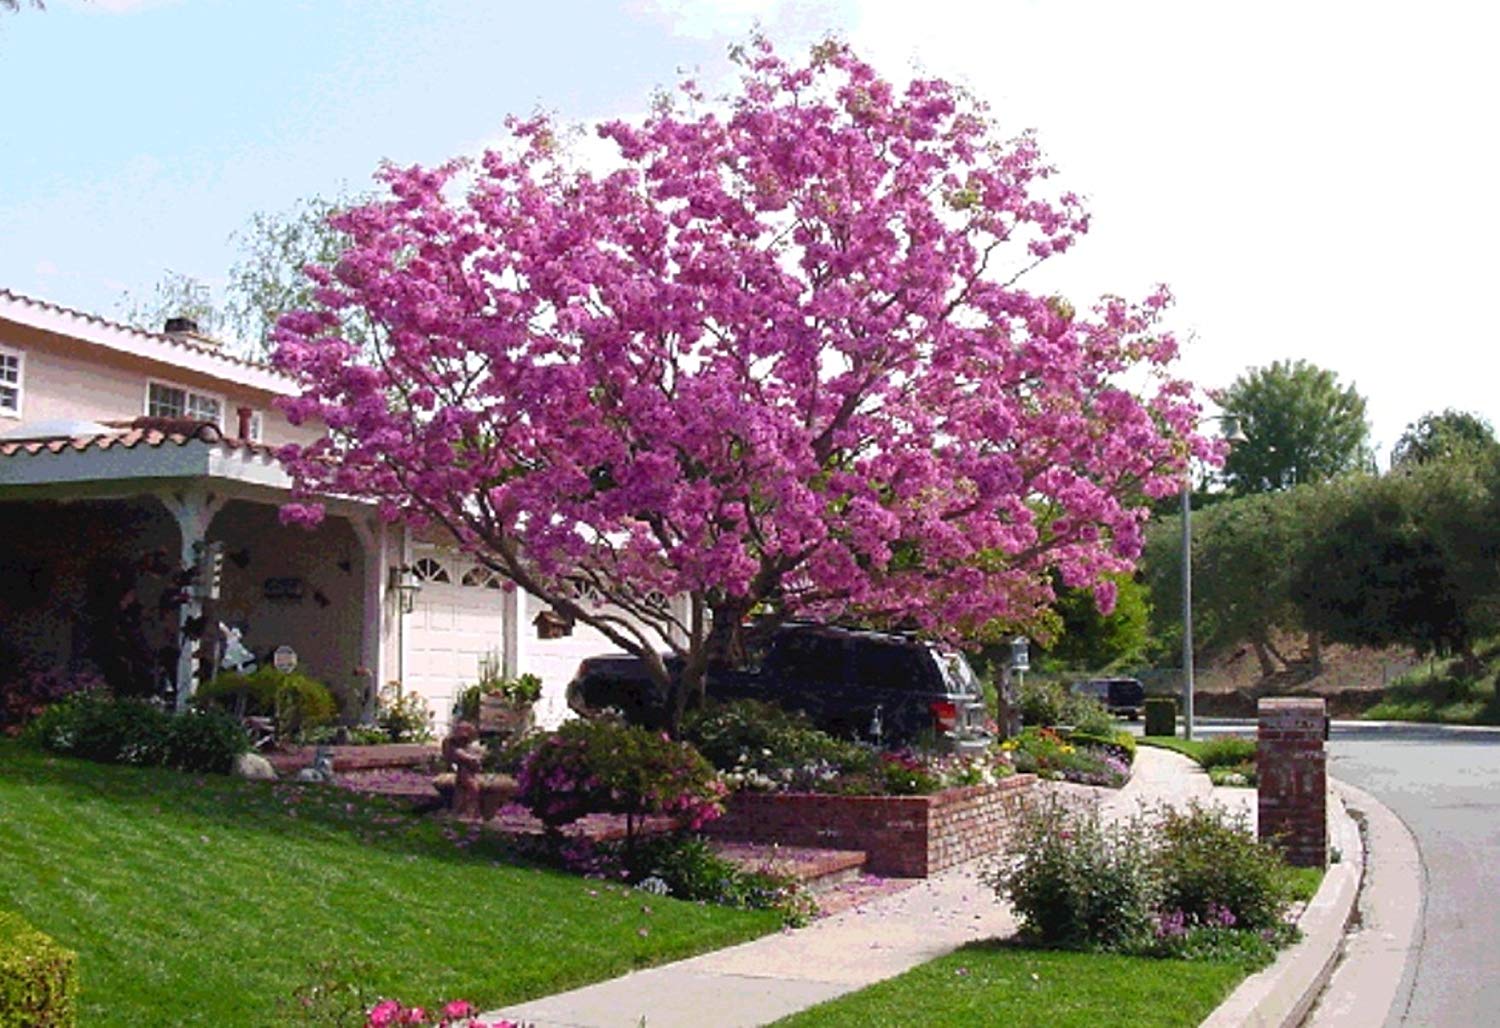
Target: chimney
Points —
{"points": [[245, 414], [176, 325]]}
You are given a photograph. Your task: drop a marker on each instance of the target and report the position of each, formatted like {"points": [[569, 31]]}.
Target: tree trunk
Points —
{"points": [[1263, 654], [1315, 651]]}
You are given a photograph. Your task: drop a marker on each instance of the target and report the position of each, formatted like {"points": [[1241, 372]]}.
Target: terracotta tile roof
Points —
{"points": [[146, 431], [183, 341]]}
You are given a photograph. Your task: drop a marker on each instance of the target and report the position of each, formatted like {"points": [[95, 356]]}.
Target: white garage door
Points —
{"points": [[457, 621]]}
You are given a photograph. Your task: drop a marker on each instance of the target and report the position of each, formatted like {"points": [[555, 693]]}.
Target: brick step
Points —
{"points": [[355, 758], [818, 869]]}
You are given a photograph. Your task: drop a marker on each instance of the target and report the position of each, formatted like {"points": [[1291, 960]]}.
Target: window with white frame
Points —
{"points": [[168, 401], [11, 363]]}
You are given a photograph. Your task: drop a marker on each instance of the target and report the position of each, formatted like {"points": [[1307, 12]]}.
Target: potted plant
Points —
{"points": [[499, 704]]}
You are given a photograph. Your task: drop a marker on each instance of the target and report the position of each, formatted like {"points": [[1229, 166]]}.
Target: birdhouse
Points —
{"points": [[552, 625]]}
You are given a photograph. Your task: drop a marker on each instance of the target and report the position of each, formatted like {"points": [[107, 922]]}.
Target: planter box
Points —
{"points": [[901, 836]]}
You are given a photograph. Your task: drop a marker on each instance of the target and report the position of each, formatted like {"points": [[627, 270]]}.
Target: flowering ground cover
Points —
{"points": [[202, 899]]}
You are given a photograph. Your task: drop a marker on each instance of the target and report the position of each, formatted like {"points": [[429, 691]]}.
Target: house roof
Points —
{"points": [[175, 349]]}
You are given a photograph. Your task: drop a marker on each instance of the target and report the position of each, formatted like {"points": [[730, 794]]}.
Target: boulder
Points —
{"points": [[252, 766]]}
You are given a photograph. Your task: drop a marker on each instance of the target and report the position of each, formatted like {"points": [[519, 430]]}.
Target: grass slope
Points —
{"points": [[199, 899], [999, 983]]}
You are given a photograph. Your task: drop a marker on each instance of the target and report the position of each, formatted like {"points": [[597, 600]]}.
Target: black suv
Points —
{"points": [[852, 683]]}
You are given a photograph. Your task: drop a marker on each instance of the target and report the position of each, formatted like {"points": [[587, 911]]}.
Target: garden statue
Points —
{"points": [[236, 655], [463, 751]]}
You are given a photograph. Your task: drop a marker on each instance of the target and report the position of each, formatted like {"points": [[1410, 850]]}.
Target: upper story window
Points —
{"points": [[167, 401], [11, 365]]}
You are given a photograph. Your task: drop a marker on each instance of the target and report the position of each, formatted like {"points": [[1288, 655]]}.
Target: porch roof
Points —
{"points": [[146, 448]]}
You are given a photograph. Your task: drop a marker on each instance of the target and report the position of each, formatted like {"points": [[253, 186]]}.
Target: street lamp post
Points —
{"points": [[1230, 426]]}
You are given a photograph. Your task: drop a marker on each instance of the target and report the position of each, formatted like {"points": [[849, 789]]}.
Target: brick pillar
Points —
{"points": [[1293, 770]]}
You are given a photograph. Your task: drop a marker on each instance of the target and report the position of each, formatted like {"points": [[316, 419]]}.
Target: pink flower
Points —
{"points": [[383, 1013], [459, 1008]]}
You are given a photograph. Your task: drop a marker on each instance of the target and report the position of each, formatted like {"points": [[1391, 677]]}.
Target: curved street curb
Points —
{"points": [[1375, 974], [1282, 994]]}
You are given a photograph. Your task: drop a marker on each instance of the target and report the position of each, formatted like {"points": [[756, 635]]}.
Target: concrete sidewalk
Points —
{"points": [[760, 981]]}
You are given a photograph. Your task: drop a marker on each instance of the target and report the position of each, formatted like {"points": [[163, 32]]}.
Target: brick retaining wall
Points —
{"points": [[901, 836]]}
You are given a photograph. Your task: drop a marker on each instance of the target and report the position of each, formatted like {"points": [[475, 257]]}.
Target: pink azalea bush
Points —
{"points": [[780, 358], [389, 1013], [599, 767]]}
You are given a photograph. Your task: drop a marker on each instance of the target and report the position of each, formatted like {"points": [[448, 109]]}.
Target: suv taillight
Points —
{"points": [[944, 715]]}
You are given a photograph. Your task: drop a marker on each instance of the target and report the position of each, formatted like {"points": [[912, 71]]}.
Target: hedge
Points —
{"points": [[1161, 715], [38, 984]]}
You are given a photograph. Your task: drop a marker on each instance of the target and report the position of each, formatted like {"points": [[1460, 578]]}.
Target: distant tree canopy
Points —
{"points": [[265, 282], [1453, 434], [1302, 425], [1085, 639]]}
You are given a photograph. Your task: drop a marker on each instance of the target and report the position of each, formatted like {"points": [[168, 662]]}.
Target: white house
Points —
{"points": [[123, 452]]}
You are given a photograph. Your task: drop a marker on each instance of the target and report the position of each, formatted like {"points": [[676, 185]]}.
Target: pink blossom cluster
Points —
{"points": [[388, 1013], [780, 356]]}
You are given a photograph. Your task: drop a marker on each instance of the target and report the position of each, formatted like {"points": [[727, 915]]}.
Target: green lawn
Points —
{"points": [[200, 899], [1187, 747], [999, 983]]}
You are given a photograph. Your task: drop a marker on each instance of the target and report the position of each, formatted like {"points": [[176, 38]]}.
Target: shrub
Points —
{"points": [[760, 745], [1214, 871], [1227, 751], [1088, 715], [96, 726], [24, 697], [1161, 715], [687, 867], [297, 702], [38, 983], [598, 767], [1042, 702], [204, 740], [1076, 882]]}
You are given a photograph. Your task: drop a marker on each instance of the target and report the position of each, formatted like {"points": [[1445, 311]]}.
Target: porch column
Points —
{"points": [[193, 509], [376, 629], [513, 619]]}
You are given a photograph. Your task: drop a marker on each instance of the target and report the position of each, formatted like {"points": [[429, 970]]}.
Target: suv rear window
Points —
{"points": [[890, 666]]}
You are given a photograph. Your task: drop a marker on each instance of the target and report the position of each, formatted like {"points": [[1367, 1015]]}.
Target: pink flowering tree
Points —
{"points": [[779, 360]]}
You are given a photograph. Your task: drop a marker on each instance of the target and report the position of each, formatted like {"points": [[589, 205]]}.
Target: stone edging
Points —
{"points": [[1282, 994]]}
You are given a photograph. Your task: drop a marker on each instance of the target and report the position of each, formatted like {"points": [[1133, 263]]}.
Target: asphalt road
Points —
{"points": [[1444, 784]]}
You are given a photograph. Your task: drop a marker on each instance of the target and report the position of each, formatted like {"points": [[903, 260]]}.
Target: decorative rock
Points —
{"points": [[253, 766]]}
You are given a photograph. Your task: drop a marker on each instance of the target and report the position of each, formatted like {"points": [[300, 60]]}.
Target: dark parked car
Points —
{"points": [[1120, 696], [852, 683]]}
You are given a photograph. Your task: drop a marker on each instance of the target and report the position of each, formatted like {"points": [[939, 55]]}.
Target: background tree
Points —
{"points": [[267, 279], [174, 296], [1302, 427], [1089, 639], [777, 362], [1452, 434], [1410, 559]]}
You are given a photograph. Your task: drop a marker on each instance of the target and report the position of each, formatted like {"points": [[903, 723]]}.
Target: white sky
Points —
{"points": [[1314, 180]]}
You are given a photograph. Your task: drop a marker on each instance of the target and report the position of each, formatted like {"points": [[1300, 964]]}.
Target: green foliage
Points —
{"points": [[1161, 715], [1302, 426], [1210, 861], [1410, 559], [298, 703], [1089, 640], [1227, 751], [174, 296], [520, 691], [752, 737], [267, 281], [1075, 881], [689, 869], [1451, 435], [599, 767], [1088, 715], [38, 979], [96, 726], [1043, 701]]}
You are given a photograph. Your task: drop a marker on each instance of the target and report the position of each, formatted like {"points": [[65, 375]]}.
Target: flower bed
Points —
{"points": [[901, 836]]}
